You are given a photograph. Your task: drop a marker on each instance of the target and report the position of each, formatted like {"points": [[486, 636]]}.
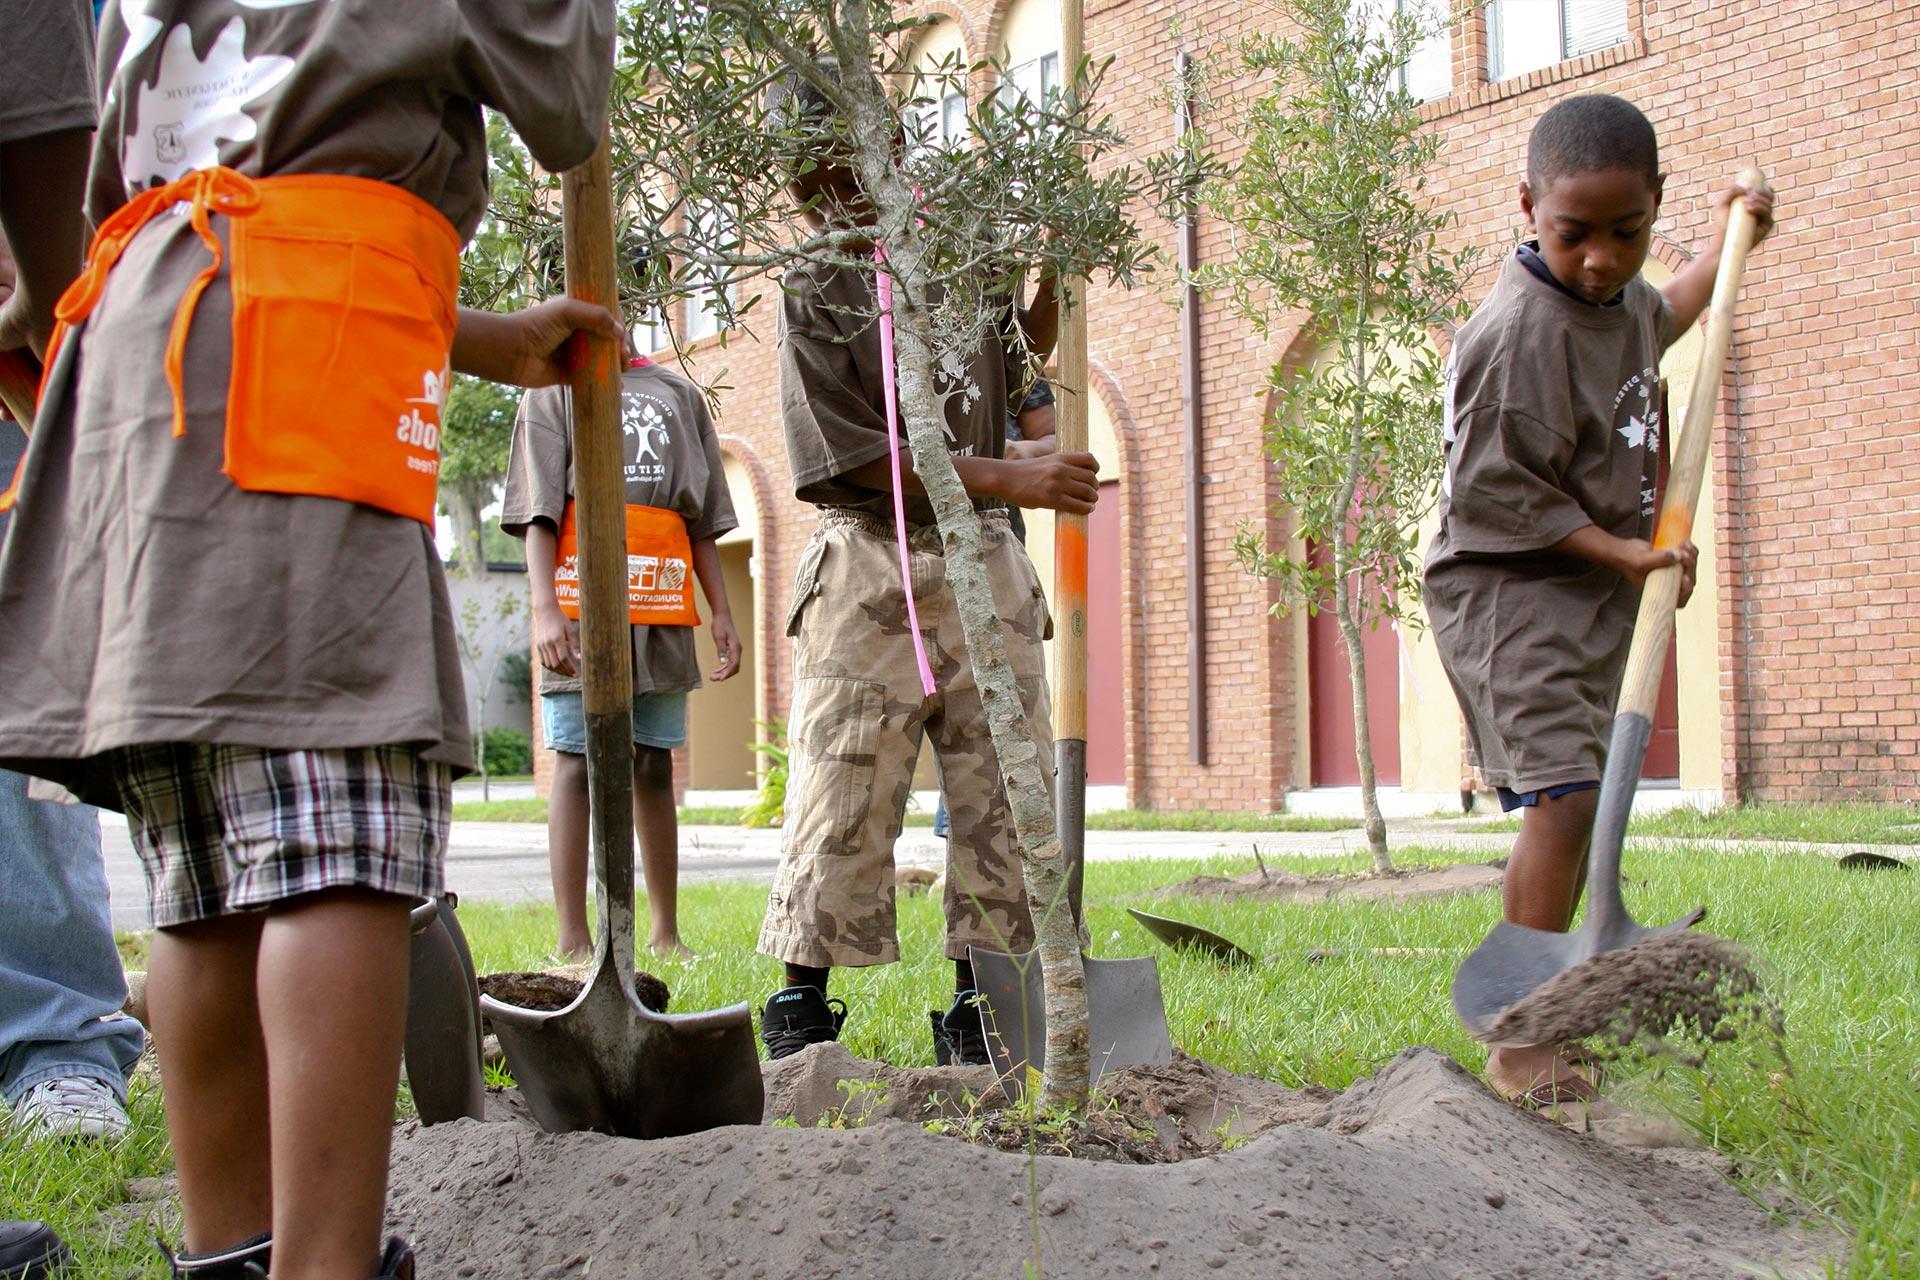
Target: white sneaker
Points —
{"points": [[72, 1107]]}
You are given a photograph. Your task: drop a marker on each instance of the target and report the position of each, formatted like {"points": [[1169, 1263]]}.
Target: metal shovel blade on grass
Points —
{"points": [[606, 1061], [1514, 961]]}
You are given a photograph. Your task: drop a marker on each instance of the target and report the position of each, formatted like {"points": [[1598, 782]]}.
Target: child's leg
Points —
{"points": [[202, 1004], [333, 1046], [1545, 874], [567, 853], [658, 824]]}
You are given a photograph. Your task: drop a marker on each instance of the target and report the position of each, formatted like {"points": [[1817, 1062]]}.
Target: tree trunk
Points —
{"points": [[1068, 1063], [1344, 613]]}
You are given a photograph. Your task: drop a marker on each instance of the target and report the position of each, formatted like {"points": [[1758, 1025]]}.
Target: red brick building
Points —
{"points": [[1798, 665]]}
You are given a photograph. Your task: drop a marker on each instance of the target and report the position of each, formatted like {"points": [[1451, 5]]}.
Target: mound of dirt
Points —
{"points": [[1418, 1170], [547, 990], [825, 1082], [1392, 886], [1691, 985]]}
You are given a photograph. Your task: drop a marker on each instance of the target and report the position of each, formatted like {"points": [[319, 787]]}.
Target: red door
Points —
{"points": [[1330, 711], [1106, 686]]}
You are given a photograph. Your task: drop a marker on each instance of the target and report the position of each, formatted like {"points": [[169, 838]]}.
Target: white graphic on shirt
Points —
{"points": [[1635, 433], [141, 32], [644, 420], [1449, 435], [276, 4], [952, 378], [196, 104], [1642, 429]]}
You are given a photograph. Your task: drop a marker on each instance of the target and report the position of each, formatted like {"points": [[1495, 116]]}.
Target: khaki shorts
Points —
{"points": [[854, 737]]}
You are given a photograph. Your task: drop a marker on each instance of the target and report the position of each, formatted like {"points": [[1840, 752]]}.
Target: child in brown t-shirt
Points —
{"points": [[1553, 453], [672, 463], [221, 607]]}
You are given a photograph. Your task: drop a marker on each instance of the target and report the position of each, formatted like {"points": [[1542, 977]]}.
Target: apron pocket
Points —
{"points": [[340, 366]]}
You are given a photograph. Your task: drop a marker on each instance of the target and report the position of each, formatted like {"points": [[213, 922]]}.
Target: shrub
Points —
{"points": [[506, 751]]}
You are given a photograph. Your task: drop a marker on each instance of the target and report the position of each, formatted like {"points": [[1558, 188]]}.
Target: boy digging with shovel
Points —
{"points": [[1553, 455], [221, 606]]}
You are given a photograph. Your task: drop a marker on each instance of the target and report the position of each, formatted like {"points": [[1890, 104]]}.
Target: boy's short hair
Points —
{"points": [[1591, 133], [803, 118]]}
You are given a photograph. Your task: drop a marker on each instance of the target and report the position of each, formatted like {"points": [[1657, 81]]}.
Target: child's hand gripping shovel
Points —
{"points": [[606, 1061], [1516, 961]]}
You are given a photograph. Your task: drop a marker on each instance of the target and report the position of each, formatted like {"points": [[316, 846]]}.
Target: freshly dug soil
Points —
{"points": [[1393, 886], [1663, 994], [1416, 1171], [558, 988]]}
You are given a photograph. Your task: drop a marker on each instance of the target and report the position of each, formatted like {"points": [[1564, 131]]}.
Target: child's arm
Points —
{"points": [[1632, 558], [528, 348], [41, 221], [556, 637], [1058, 482], [713, 581], [1689, 292]]}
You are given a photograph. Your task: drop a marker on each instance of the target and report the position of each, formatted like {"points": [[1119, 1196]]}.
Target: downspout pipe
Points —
{"points": [[1190, 407]]}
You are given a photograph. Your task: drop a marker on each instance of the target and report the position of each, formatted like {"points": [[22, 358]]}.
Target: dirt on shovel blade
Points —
{"points": [[1693, 985], [548, 991]]}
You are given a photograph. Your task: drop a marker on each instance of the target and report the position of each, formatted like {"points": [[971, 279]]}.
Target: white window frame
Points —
{"points": [[942, 121], [702, 320], [1566, 42], [1375, 14], [1036, 80]]}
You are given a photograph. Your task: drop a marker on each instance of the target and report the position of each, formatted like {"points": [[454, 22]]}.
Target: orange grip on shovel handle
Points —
{"points": [[1647, 659]]}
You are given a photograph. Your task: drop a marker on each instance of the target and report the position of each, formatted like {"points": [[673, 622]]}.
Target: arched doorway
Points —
{"points": [[720, 728]]}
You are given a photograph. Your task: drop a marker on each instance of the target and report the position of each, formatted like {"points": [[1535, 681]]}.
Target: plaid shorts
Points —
{"points": [[222, 829]]}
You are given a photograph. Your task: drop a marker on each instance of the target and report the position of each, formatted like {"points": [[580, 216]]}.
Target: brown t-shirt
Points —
{"points": [[48, 85], [833, 400], [1553, 423], [144, 598], [672, 462]]}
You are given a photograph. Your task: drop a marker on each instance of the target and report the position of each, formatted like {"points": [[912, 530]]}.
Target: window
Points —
{"points": [[1526, 35], [707, 308], [940, 69], [1428, 71], [943, 122], [1036, 80], [650, 334]]}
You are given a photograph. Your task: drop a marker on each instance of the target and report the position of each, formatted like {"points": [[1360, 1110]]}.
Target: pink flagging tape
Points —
{"points": [[885, 282]]}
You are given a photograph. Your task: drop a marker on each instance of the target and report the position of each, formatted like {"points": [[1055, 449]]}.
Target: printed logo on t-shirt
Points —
{"points": [[196, 103], [644, 419], [1448, 435], [1639, 401], [954, 382]]}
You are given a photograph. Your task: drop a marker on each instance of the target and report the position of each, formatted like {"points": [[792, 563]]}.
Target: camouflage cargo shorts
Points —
{"points": [[854, 736]]}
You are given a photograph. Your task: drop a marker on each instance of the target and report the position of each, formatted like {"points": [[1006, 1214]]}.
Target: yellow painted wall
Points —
{"points": [[1032, 28], [940, 46], [721, 716]]}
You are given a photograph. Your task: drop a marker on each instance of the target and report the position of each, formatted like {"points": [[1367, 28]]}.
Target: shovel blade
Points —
{"points": [[1516, 961], [608, 1063], [1182, 936], [1126, 1014], [443, 1019]]}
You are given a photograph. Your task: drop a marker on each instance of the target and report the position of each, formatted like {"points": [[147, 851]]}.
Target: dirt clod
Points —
{"points": [[1660, 995]]}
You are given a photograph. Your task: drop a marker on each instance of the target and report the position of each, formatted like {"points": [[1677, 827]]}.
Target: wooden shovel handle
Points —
{"points": [[19, 387], [606, 644], [1070, 436], [1647, 659]]}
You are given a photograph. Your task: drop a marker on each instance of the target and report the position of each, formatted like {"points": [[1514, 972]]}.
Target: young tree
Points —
{"points": [[492, 632], [1332, 230], [476, 429], [703, 163]]}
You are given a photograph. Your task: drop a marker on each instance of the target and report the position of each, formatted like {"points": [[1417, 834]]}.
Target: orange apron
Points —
{"points": [[344, 307], [659, 568]]}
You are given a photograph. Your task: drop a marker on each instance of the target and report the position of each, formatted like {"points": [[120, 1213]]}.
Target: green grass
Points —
{"points": [[1840, 1130], [1809, 823]]}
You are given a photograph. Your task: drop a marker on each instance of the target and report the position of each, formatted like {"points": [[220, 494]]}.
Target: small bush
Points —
{"points": [[770, 805], [505, 752]]}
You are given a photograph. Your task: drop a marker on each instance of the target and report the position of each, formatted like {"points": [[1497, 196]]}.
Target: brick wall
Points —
{"points": [[1818, 490]]}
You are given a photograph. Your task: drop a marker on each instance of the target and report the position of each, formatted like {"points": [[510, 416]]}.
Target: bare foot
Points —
{"points": [[671, 949], [574, 951]]}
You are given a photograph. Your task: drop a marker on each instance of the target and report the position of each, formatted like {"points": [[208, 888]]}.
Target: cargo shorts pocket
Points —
{"points": [[835, 731], [806, 583]]}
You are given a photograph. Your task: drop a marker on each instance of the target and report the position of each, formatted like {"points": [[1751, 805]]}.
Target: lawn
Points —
{"points": [[1807, 823], [1839, 1128]]}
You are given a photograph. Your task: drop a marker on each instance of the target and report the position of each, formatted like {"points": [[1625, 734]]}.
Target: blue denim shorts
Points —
{"points": [[659, 720]]}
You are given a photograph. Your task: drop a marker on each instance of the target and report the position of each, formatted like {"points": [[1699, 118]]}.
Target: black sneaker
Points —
{"points": [[959, 1035], [796, 1017], [236, 1262], [30, 1251], [397, 1262]]}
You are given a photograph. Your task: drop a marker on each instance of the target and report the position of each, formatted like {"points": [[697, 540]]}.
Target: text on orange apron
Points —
{"points": [[659, 568], [344, 296]]}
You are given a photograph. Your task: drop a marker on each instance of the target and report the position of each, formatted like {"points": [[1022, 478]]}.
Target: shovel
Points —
{"points": [[607, 1062], [1514, 961], [443, 1018], [1126, 1014]]}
